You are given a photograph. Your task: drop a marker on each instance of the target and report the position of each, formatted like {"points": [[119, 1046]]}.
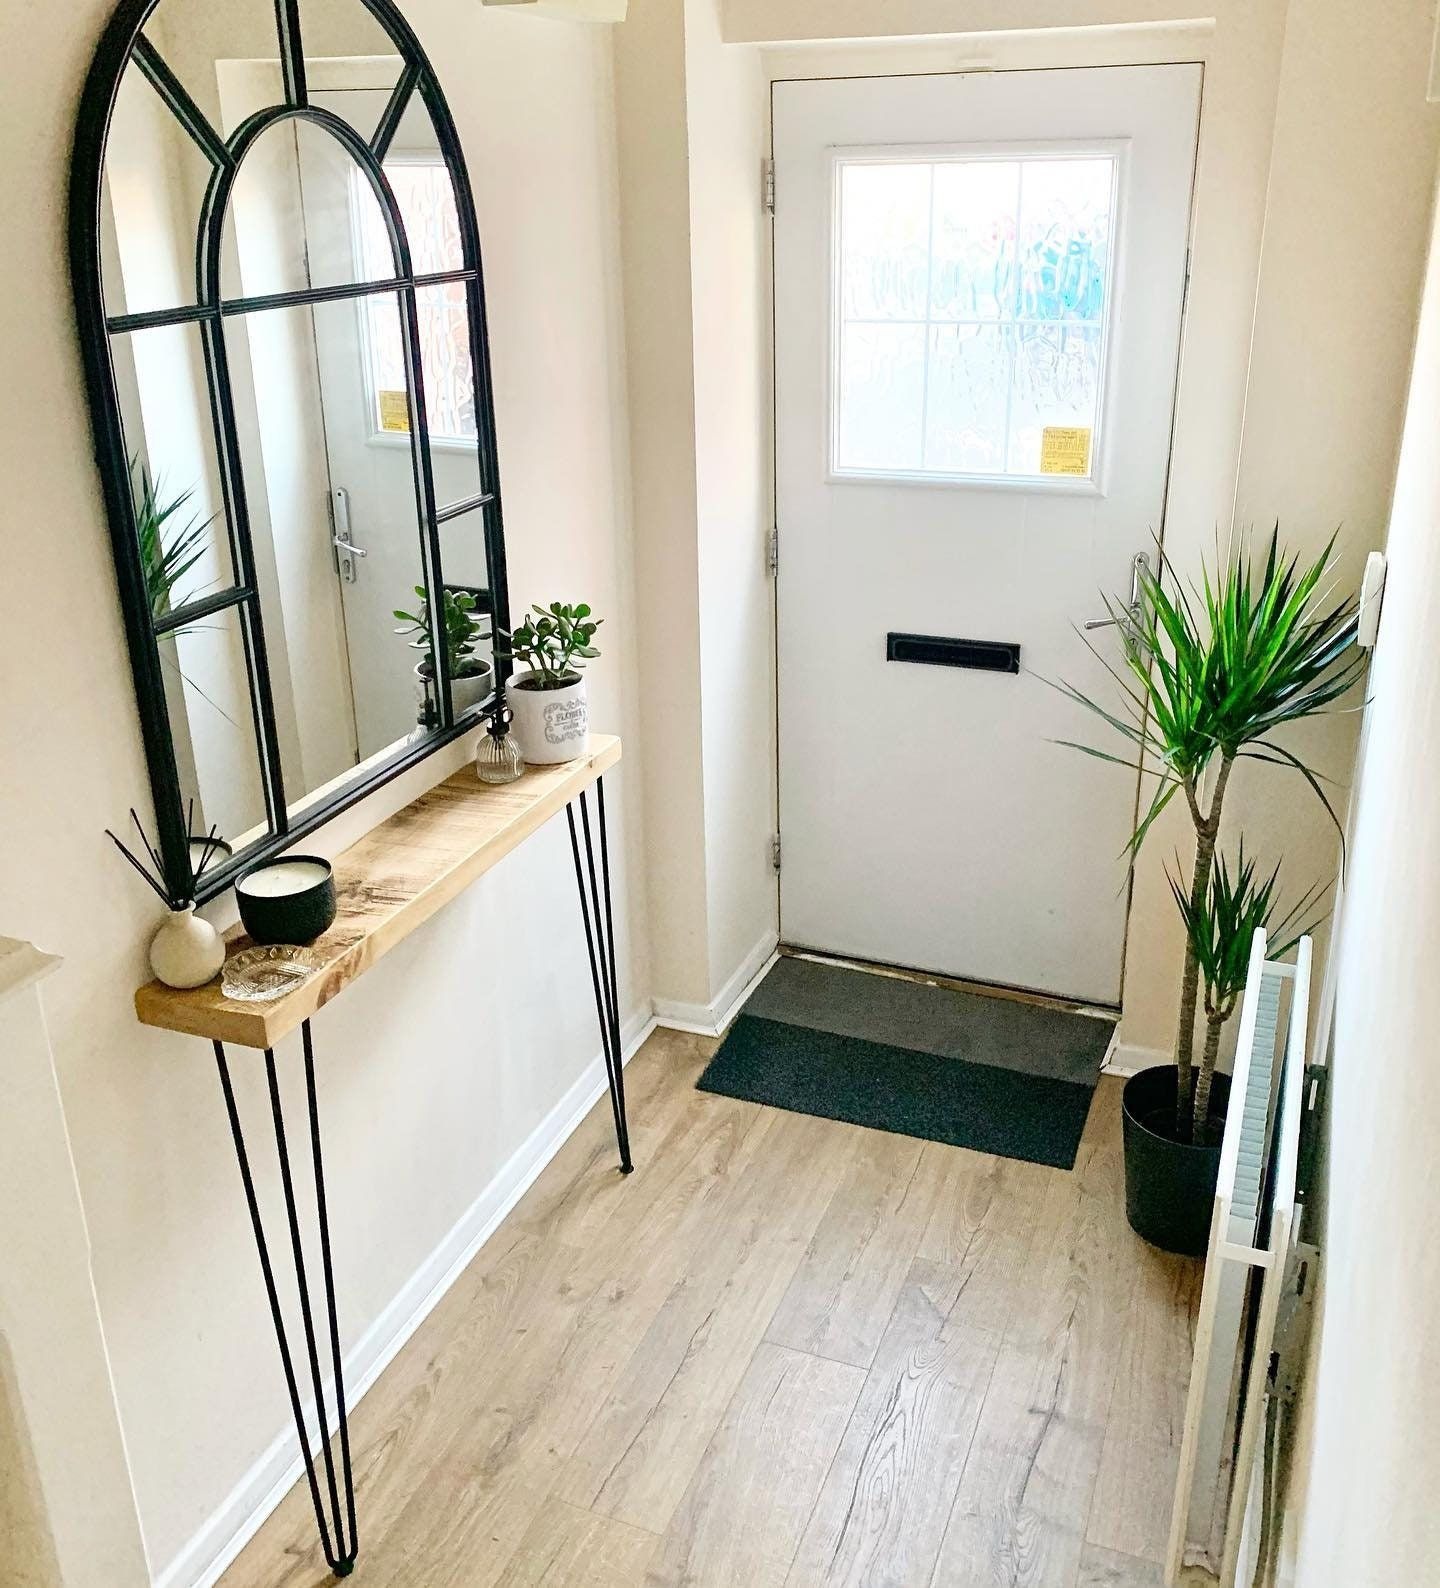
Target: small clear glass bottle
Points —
{"points": [[497, 756]]}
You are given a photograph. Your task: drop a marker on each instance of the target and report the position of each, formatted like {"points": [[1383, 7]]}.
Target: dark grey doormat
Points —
{"points": [[1021, 1087]]}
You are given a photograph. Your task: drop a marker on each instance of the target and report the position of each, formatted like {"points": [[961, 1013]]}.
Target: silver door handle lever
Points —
{"points": [[1139, 566]]}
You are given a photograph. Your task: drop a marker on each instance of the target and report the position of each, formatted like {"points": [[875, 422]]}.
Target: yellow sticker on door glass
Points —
{"points": [[1065, 449], [395, 410]]}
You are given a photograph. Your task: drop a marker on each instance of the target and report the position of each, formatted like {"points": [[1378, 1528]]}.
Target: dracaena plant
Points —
{"points": [[1236, 905], [1212, 674], [555, 642], [170, 547], [462, 632]]}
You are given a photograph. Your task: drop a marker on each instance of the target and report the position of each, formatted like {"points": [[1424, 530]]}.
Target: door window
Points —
{"points": [[427, 202], [972, 298]]}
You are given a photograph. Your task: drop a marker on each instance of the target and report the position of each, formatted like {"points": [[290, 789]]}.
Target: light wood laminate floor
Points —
{"points": [[786, 1351]]}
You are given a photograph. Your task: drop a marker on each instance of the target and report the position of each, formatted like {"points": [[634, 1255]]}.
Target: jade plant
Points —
{"points": [[462, 633], [555, 642], [1211, 675], [1236, 905]]}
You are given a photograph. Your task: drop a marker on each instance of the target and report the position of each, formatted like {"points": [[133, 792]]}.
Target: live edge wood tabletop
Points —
{"points": [[390, 882]]}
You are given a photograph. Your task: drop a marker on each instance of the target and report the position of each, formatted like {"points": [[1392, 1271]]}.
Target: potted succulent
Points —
{"points": [[471, 676], [1211, 675], [547, 698]]}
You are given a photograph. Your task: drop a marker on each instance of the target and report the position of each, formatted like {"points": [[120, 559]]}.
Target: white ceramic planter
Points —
{"points": [[465, 693], [550, 725], [187, 951]]}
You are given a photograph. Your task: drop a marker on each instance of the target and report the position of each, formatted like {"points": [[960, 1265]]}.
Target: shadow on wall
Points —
{"points": [[27, 1553]]}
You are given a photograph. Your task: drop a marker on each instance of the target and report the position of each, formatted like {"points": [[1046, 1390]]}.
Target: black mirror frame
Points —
{"points": [[120, 44]]}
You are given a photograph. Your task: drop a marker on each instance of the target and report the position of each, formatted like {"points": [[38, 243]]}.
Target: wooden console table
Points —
{"points": [[388, 884]]}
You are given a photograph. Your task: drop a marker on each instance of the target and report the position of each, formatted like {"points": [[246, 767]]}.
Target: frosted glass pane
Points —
{"points": [[444, 318], [427, 206], [973, 295], [427, 203], [1057, 382], [969, 378], [882, 397], [885, 241], [977, 204], [1064, 238]]}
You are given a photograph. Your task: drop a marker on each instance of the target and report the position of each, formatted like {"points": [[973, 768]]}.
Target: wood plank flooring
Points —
{"points": [[786, 1352]]}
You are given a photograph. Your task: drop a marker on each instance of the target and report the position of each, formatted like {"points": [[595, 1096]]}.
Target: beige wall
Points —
{"points": [[1366, 1457], [436, 1067], [1347, 206], [692, 128], [655, 213], [729, 239]]}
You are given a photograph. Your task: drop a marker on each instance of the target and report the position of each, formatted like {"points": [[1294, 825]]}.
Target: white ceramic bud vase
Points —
{"points": [[187, 951], [550, 725]]}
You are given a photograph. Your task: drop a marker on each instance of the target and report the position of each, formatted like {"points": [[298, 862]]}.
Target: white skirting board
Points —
{"points": [[200, 1563], [710, 1020], [1126, 1058]]}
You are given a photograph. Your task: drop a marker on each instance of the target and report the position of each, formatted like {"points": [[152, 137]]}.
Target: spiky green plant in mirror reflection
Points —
{"points": [[1211, 674], [168, 550], [167, 554], [1236, 905]]}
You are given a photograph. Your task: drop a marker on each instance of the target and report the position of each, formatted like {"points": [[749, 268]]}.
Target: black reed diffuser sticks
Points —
{"points": [[212, 842]]}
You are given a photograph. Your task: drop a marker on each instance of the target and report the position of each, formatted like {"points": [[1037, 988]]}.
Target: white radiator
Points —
{"points": [[1251, 1233]]}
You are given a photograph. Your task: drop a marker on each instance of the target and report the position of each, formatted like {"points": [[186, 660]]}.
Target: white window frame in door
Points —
{"points": [[1116, 151]]}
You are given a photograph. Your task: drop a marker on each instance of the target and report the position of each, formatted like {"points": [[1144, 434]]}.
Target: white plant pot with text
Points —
{"points": [[550, 725]]}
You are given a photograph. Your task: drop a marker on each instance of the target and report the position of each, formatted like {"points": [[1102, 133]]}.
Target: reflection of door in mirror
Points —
{"points": [[360, 353], [310, 217]]}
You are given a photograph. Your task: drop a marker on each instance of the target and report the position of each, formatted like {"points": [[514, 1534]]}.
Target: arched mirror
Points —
{"points": [[277, 276]]}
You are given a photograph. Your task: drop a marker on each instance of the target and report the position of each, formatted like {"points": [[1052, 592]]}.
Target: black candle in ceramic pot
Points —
{"points": [[291, 900]]}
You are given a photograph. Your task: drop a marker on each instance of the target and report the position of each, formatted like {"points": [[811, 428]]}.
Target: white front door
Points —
{"points": [[979, 282]]}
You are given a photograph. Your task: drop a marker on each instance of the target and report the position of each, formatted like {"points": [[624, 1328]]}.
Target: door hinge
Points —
{"points": [[775, 853], [772, 552], [769, 189]]}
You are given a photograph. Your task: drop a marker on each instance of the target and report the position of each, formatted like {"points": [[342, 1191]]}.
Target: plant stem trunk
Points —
{"points": [[1214, 1024], [1207, 830]]}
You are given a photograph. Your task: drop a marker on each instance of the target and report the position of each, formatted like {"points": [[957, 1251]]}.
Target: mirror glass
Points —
{"points": [[326, 465], [212, 724], [321, 401], [148, 227], [170, 449], [300, 203]]}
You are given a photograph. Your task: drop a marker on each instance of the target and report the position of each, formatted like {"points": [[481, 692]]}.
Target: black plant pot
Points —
{"points": [[1170, 1184]]}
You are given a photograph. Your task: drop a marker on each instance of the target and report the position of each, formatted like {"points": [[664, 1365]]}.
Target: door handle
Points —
{"points": [[1139, 567], [347, 554]]}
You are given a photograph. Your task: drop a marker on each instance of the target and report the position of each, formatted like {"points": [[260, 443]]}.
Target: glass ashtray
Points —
{"points": [[255, 974]]}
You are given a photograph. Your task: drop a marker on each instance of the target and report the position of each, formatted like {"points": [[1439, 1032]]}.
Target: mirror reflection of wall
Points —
{"points": [[322, 405]]}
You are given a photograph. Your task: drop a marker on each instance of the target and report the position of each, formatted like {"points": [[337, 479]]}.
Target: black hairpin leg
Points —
{"points": [[600, 941], [336, 1525]]}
